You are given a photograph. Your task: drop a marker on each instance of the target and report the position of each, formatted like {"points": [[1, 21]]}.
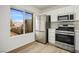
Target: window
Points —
{"points": [[28, 23], [18, 20]]}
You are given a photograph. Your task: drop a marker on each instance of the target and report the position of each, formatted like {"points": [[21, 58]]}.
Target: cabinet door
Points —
{"points": [[53, 18], [77, 41], [51, 36]]}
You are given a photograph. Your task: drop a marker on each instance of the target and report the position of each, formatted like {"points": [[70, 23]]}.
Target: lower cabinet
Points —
{"points": [[77, 41], [51, 36]]}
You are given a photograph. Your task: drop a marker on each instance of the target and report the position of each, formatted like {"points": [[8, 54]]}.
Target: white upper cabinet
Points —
{"points": [[53, 18], [54, 23]]}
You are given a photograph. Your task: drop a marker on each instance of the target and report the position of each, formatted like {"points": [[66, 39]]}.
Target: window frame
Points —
{"points": [[24, 11]]}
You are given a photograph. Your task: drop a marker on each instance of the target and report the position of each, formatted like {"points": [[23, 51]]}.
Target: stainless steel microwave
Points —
{"points": [[66, 17]]}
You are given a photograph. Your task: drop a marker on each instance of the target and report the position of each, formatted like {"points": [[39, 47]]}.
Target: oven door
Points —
{"points": [[69, 39]]}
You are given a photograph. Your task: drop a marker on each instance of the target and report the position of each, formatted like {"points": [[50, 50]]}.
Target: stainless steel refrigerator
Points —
{"points": [[42, 25]]}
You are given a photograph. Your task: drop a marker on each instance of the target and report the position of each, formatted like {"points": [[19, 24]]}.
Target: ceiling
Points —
{"points": [[45, 7]]}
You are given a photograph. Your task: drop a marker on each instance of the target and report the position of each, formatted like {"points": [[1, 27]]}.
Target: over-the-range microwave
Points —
{"points": [[66, 17]]}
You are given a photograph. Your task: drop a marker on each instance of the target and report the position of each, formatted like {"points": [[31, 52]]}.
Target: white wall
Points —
{"points": [[8, 43], [66, 10]]}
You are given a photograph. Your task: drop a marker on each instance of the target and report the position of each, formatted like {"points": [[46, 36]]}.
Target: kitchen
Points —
{"points": [[62, 31], [62, 13], [64, 34], [63, 19]]}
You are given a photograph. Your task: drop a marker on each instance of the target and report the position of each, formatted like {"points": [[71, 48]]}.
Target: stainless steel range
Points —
{"points": [[65, 37]]}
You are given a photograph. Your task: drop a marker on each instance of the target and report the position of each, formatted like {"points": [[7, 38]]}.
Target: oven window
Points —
{"points": [[65, 38]]}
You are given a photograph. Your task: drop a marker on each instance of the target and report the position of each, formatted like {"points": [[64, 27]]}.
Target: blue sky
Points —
{"points": [[18, 15]]}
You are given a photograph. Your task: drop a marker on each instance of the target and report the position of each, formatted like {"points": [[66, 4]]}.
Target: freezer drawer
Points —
{"points": [[41, 37]]}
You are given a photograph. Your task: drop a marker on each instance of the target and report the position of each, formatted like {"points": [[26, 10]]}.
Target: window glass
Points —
{"points": [[28, 23], [16, 22], [21, 22], [28, 16]]}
